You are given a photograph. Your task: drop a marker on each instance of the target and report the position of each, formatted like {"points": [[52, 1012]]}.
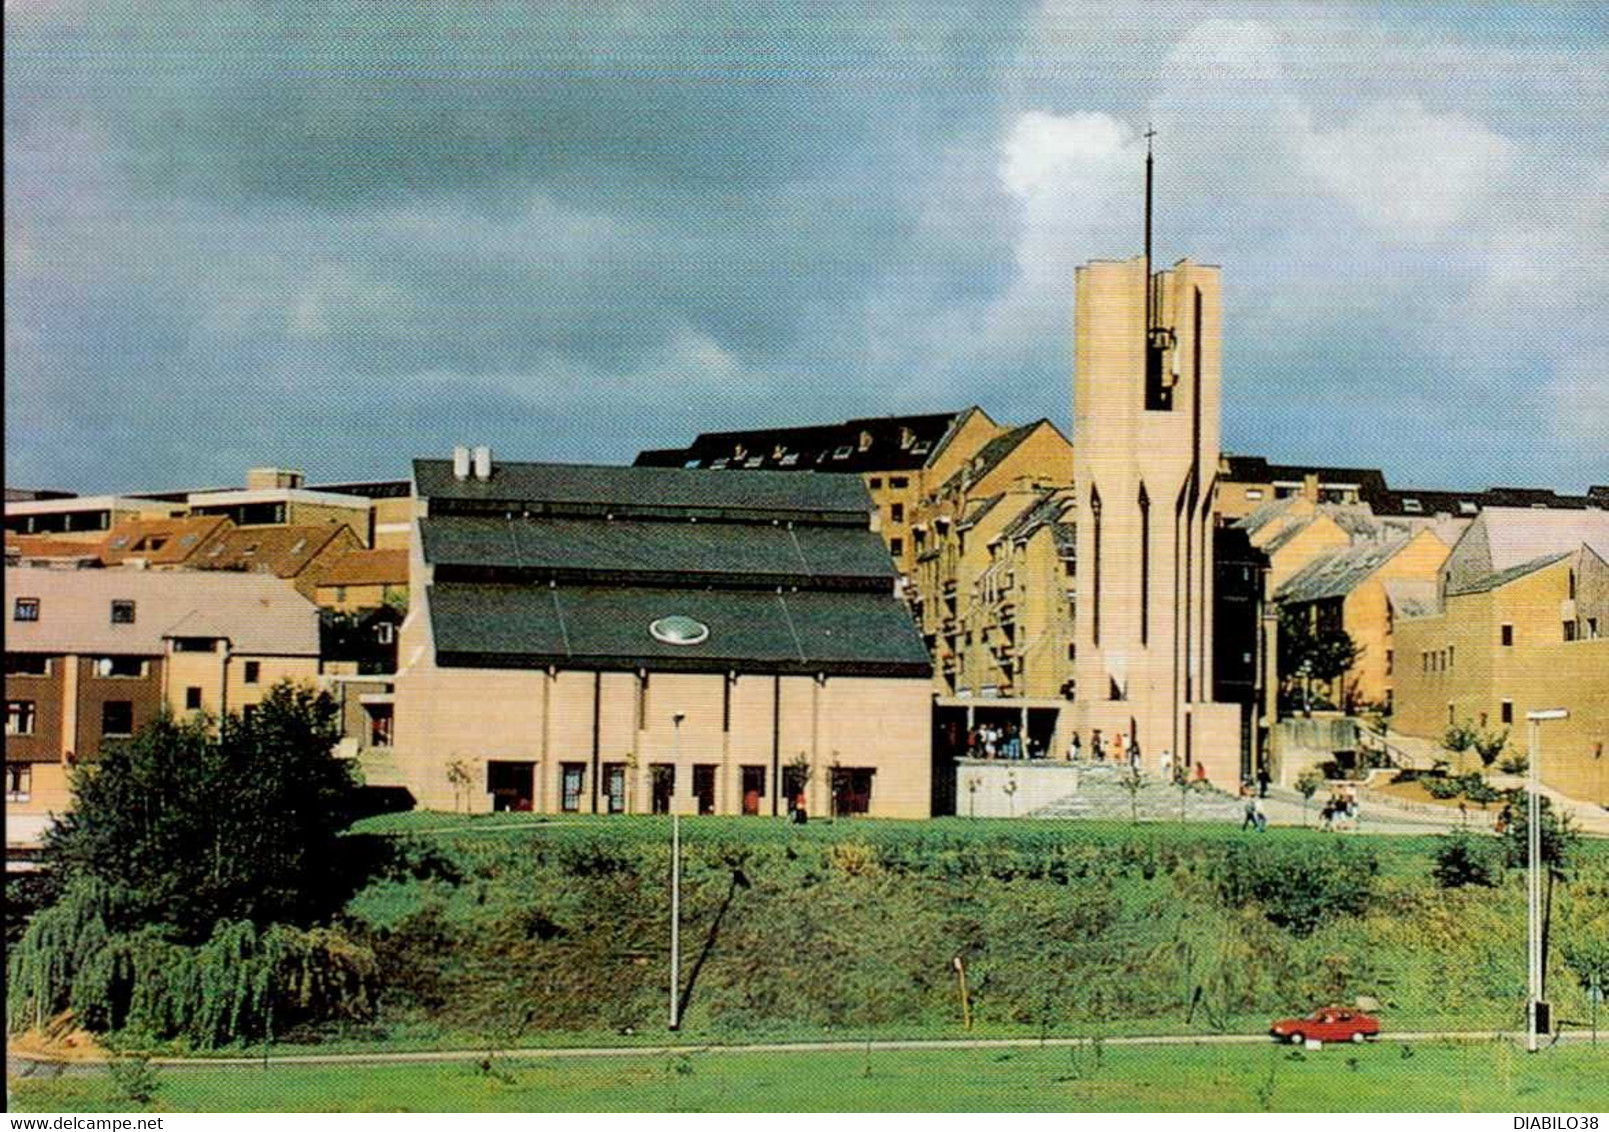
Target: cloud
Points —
{"points": [[1409, 174]]}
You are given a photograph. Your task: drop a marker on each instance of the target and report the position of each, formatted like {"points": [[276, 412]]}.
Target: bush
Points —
{"points": [[1516, 763], [1297, 888], [133, 1080], [1442, 787], [1462, 860]]}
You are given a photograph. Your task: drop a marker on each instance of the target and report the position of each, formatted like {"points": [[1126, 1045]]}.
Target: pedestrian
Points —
{"points": [[1166, 765], [1096, 747], [1327, 814], [989, 741], [1134, 755], [1250, 821], [1075, 750], [1260, 814], [1201, 772], [1013, 742], [1263, 780]]}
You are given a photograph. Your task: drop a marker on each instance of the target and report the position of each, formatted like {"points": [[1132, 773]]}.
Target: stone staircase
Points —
{"points": [[1101, 795]]}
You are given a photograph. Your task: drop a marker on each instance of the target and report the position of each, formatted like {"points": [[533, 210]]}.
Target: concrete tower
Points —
{"points": [[1145, 439]]}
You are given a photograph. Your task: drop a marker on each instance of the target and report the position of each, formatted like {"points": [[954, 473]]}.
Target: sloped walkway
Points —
{"points": [[1101, 795]]}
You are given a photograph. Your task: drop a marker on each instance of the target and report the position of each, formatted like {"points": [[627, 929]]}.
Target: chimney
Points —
{"points": [[460, 463], [483, 462]]}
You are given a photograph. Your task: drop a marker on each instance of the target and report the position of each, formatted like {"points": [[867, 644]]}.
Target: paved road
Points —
{"points": [[22, 1066]]}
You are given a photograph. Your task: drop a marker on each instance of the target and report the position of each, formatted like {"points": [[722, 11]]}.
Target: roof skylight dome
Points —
{"points": [[678, 629]]}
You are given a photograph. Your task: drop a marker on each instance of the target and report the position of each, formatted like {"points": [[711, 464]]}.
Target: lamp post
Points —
{"points": [[1536, 1009], [676, 886]]}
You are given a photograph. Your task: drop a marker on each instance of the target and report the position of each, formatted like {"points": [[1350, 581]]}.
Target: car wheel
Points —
{"points": [[1296, 1038], [1357, 1038]]}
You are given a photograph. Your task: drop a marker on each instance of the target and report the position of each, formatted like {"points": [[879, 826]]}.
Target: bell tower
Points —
{"points": [[1146, 382]]}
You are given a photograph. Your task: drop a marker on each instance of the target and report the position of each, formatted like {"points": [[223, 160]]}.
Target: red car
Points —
{"points": [[1332, 1024]]}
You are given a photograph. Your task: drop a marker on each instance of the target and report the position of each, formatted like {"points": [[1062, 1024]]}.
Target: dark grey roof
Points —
{"points": [[503, 626], [977, 509], [1048, 507], [596, 489], [990, 456], [1066, 536], [1504, 577], [868, 444], [1340, 572], [662, 552]]}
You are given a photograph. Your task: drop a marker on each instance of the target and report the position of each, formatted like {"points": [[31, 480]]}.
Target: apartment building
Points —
{"points": [[298, 554], [1363, 588], [93, 655], [646, 639], [1520, 623], [364, 579], [901, 460], [81, 518]]}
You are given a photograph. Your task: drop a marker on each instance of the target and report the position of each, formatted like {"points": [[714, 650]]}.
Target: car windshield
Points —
{"points": [[1318, 1016]]}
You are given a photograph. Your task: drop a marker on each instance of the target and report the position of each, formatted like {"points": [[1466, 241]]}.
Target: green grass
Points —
{"points": [[1433, 1077]]}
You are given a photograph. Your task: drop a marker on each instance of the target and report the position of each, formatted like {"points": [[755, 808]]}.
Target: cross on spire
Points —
{"points": [[1150, 132]]}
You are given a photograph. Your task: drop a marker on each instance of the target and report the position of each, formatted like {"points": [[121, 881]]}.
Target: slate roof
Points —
{"points": [[1340, 572], [663, 552], [895, 443], [1412, 597], [584, 489], [977, 509], [260, 614], [991, 455], [1049, 507], [503, 625], [1509, 542], [1263, 514]]}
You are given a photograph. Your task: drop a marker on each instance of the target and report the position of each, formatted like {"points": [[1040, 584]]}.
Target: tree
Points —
{"points": [[1308, 652], [1133, 781], [1307, 784], [189, 823], [1458, 738], [458, 777], [1489, 745]]}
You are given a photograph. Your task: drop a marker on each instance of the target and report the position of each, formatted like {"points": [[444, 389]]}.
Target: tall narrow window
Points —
{"points": [[1095, 597], [1145, 567]]}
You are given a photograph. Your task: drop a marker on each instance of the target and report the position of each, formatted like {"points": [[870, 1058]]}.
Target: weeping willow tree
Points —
{"points": [[194, 871]]}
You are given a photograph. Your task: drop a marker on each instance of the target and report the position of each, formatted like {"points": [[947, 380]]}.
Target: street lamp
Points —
{"points": [[1536, 1011], [676, 886]]}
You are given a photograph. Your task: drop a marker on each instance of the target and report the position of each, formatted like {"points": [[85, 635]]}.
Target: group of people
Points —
{"points": [[1256, 816], [988, 741], [1341, 806]]}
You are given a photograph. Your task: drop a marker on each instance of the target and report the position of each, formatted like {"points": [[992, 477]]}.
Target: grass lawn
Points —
{"points": [[1429, 1077]]}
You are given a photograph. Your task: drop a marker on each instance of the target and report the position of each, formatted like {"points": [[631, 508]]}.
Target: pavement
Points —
{"points": [[35, 1066]]}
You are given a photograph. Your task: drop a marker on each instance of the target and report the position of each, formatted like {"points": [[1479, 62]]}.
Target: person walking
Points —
{"points": [[1250, 820], [1260, 814], [1263, 780], [1075, 749], [1165, 764]]}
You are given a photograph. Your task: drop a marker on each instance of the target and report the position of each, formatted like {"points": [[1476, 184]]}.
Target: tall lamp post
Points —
{"points": [[1536, 1010], [676, 888]]}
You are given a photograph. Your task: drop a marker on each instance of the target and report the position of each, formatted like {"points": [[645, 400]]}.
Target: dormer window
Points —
{"points": [[1412, 506], [720, 463], [842, 453], [1466, 507], [790, 459], [865, 441]]}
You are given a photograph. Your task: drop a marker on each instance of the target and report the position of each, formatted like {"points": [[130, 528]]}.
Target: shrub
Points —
{"points": [[1462, 860], [134, 1080], [1297, 888], [1443, 787], [1516, 763]]}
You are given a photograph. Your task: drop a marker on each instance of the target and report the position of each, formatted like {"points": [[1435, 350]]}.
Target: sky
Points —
{"points": [[340, 236]]}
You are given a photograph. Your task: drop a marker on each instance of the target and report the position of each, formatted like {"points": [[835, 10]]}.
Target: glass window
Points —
{"points": [[572, 779], [254, 671], [122, 612], [19, 781], [117, 718], [192, 698], [27, 664], [19, 717], [25, 609]]}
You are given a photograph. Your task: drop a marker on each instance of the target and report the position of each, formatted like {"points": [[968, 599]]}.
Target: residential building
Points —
{"points": [[93, 655], [84, 518], [901, 459], [628, 640], [1351, 588], [364, 579], [1145, 440], [1520, 623], [275, 497], [161, 544], [298, 554]]}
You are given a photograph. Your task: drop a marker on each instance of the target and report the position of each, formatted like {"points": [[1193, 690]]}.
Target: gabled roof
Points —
{"points": [[1503, 540], [281, 551], [976, 509], [1412, 597], [367, 568], [866, 444], [1048, 507], [1289, 533], [992, 454], [161, 542], [258, 614], [49, 546], [1263, 514], [1340, 572]]}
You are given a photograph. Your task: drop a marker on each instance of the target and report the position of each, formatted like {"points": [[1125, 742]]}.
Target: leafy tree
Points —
{"points": [[1307, 784], [1308, 652], [1489, 745], [1298, 888], [1133, 781], [1558, 841], [187, 824], [1460, 737]]}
